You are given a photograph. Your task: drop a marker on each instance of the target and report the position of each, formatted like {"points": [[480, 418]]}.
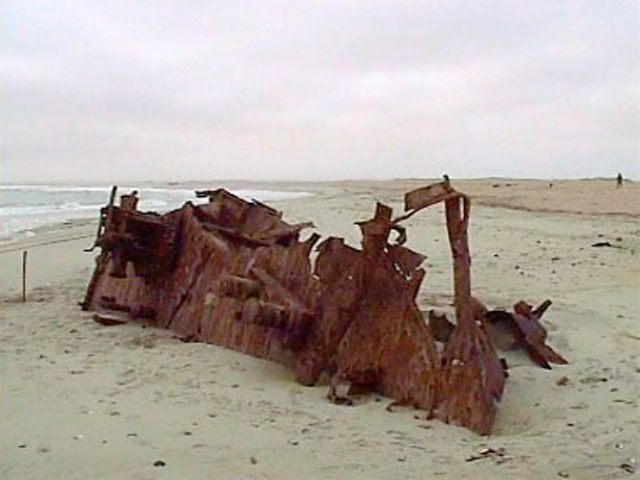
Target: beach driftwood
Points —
{"points": [[233, 273]]}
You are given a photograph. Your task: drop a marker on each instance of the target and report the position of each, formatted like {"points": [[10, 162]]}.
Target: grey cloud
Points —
{"points": [[98, 90]]}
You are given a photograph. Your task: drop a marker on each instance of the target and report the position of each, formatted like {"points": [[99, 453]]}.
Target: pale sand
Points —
{"points": [[84, 401]]}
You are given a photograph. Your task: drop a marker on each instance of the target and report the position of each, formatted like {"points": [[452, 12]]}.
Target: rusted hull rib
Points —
{"points": [[233, 273]]}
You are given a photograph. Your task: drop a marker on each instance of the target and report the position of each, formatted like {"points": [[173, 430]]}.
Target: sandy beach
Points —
{"points": [[80, 400]]}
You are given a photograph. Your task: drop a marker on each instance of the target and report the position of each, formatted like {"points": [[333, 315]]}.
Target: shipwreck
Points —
{"points": [[232, 272]]}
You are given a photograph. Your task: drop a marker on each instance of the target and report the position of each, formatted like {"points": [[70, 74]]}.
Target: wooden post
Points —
{"points": [[24, 276]]}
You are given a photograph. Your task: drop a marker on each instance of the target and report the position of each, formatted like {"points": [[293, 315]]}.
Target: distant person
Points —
{"points": [[445, 177], [619, 181]]}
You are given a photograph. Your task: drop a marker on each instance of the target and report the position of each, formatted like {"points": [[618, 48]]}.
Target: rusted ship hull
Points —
{"points": [[233, 273]]}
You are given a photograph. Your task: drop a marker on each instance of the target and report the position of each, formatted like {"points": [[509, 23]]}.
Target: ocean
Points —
{"points": [[24, 208]]}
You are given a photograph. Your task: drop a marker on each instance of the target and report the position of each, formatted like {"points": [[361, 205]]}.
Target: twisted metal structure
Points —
{"points": [[233, 273]]}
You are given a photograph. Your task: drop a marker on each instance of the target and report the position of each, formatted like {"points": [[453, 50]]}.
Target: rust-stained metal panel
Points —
{"points": [[430, 195], [233, 273], [472, 377], [525, 331]]}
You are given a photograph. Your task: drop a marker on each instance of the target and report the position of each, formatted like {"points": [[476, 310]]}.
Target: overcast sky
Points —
{"points": [[172, 90]]}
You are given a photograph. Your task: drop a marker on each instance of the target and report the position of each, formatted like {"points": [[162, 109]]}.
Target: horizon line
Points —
{"points": [[276, 180]]}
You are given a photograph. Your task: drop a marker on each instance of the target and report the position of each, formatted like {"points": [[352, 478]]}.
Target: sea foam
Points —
{"points": [[27, 207]]}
